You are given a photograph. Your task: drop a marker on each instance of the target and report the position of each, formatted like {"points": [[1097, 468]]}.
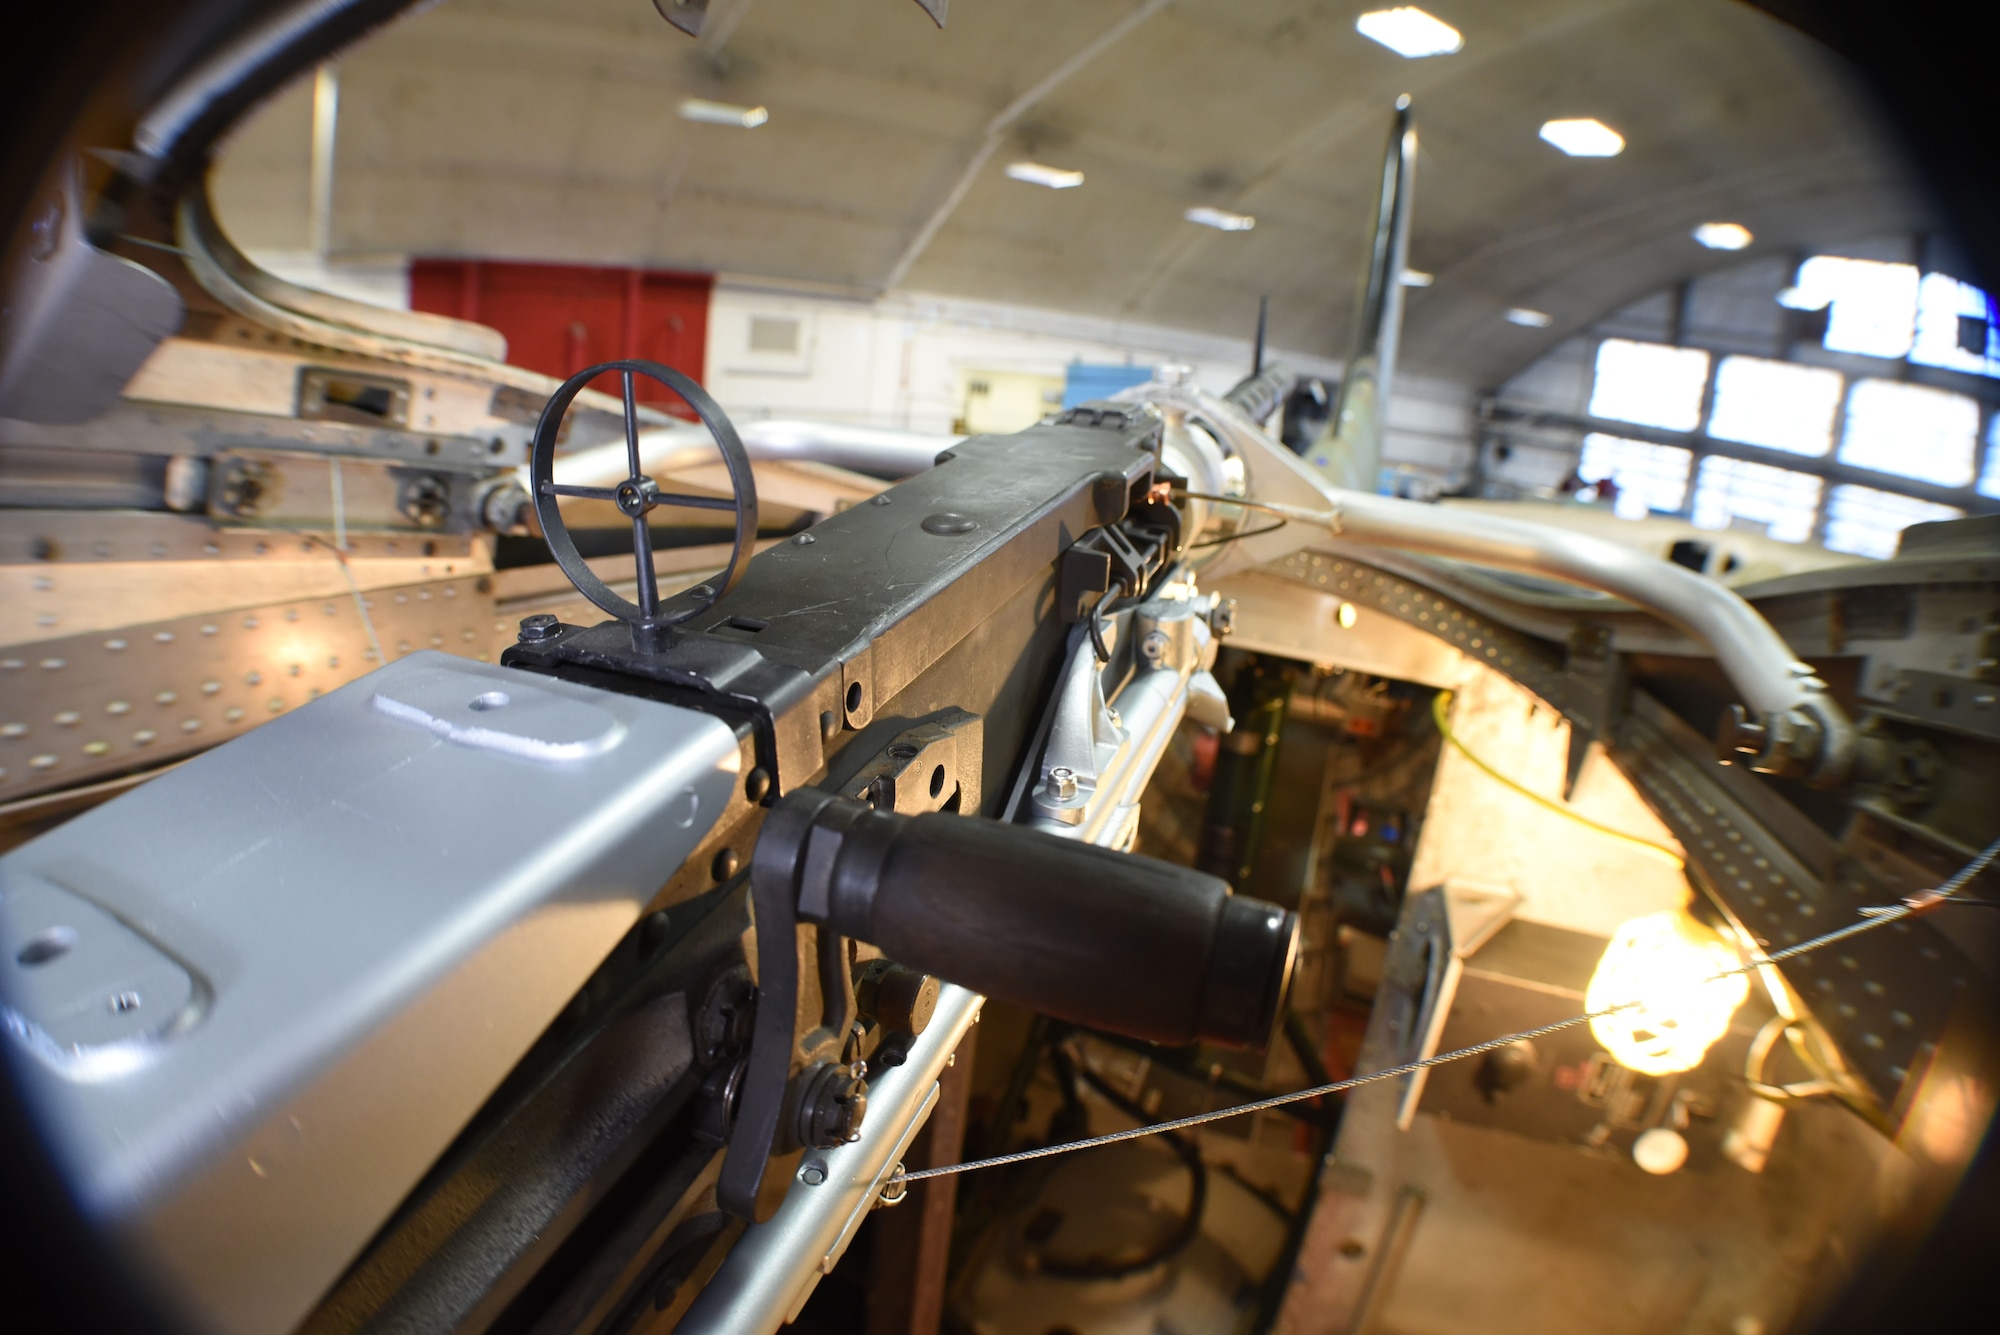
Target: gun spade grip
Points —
{"points": [[1110, 940]]}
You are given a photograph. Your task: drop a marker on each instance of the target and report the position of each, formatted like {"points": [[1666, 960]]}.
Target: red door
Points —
{"points": [[560, 318]]}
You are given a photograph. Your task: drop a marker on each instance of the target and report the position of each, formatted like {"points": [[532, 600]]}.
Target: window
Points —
{"points": [[1989, 480], [1649, 383], [1727, 490], [1648, 477], [1957, 326], [1779, 405], [1874, 305], [1868, 522], [1911, 431]]}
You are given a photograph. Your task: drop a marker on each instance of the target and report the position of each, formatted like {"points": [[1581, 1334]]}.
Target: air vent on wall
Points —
{"points": [[766, 342], [774, 334]]}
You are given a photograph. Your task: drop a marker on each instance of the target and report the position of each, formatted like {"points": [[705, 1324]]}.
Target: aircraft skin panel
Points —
{"points": [[421, 870]]}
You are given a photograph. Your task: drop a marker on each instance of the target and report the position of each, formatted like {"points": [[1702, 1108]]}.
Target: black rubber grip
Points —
{"points": [[1110, 940]]}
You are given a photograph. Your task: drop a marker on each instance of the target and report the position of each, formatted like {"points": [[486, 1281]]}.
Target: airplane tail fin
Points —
{"points": [[1349, 451]]}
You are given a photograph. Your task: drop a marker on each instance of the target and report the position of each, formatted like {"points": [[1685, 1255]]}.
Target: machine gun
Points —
{"points": [[640, 860]]}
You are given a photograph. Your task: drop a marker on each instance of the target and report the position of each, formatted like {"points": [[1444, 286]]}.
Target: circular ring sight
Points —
{"points": [[636, 497]]}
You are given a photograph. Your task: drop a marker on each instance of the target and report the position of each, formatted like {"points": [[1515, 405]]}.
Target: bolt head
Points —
{"points": [[832, 1106], [947, 524], [1736, 733], [539, 627]]}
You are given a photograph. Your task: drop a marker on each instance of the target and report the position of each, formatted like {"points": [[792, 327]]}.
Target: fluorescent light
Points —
{"points": [[723, 113], [1222, 220], [1034, 173], [1408, 31], [1521, 315], [1417, 278], [1723, 236], [1585, 138]]}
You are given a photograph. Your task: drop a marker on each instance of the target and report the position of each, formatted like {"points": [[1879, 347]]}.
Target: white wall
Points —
{"points": [[379, 281], [901, 360]]}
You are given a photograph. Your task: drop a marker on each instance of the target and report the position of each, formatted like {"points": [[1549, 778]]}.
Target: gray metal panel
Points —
{"points": [[341, 930]]}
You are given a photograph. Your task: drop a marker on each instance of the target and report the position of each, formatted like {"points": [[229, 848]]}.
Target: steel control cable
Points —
{"points": [[1922, 902]]}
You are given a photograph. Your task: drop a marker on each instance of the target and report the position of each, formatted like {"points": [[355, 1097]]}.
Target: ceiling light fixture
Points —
{"points": [[1410, 32], [1417, 278], [1034, 173], [1584, 138], [723, 113], [1222, 220], [1521, 315], [1723, 236]]}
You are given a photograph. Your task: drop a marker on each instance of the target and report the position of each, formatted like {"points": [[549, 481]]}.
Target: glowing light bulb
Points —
{"points": [[1665, 962]]}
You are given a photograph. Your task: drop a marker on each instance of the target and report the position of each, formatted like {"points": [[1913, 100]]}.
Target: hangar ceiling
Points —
{"points": [[547, 129]]}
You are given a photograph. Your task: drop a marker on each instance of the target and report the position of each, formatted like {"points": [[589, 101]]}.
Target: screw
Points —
{"points": [[804, 540], [1062, 783], [426, 501], [812, 1175], [539, 627]]}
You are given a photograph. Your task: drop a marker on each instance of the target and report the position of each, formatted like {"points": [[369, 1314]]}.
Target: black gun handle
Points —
{"points": [[1110, 940]]}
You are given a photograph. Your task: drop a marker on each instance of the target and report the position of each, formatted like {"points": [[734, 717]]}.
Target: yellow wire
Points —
{"points": [[1442, 700]]}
